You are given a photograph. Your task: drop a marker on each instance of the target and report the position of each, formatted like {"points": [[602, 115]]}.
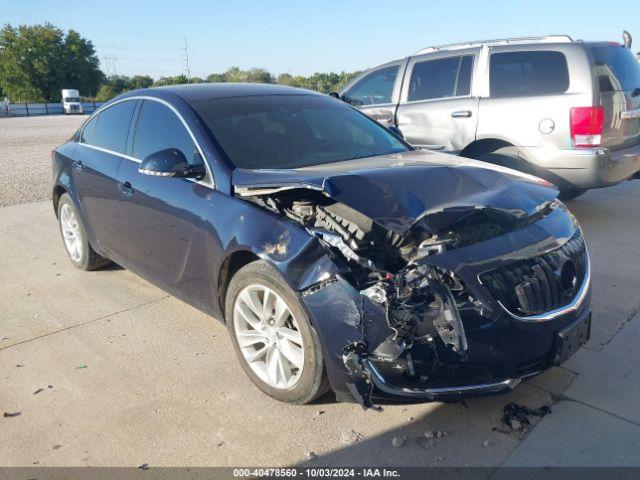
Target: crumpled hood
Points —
{"points": [[397, 190]]}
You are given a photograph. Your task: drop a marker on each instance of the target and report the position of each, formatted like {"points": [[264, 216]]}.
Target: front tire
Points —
{"points": [[74, 236], [277, 346]]}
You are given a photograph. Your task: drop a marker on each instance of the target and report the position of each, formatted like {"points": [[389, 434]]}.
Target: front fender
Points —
{"points": [[289, 247]]}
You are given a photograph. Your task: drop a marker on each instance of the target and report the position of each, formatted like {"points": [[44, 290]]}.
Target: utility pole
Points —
{"points": [[185, 60], [110, 64]]}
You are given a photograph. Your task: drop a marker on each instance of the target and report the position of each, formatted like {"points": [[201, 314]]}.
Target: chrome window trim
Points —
{"points": [[132, 159], [439, 99], [208, 181]]}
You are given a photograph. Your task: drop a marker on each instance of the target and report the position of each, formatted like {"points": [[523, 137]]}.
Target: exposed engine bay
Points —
{"points": [[421, 302]]}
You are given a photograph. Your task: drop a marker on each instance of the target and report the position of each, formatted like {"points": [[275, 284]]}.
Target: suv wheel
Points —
{"points": [[277, 346]]}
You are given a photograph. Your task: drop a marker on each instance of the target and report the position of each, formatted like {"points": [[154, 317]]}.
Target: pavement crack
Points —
{"points": [[621, 325], [564, 398], [85, 323]]}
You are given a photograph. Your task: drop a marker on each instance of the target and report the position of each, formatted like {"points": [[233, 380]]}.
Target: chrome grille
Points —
{"points": [[542, 283]]}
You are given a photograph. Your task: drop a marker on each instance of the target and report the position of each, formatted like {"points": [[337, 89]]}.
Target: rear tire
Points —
{"points": [[74, 236], [259, 287]]}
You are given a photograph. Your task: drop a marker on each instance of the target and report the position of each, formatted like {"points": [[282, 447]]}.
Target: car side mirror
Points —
{"points": [[396, 131], [171, 162], [335, 95]]}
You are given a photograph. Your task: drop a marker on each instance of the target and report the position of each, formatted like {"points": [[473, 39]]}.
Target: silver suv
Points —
{"points": [[564, 110]]}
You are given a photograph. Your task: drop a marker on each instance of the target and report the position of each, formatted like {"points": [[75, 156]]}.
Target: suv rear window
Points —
{"points": [[616, 67], [520, 74]]}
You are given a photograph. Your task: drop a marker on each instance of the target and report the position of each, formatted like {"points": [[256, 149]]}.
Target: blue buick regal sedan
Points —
{"points": [[339, 256]]}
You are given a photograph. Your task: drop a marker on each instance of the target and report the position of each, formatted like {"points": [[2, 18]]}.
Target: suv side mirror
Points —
{"points": [[171, 162], [396, 131], [335, 95]]}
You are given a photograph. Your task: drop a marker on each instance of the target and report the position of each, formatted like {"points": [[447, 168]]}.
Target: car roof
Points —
{"points": [[195, 92]]}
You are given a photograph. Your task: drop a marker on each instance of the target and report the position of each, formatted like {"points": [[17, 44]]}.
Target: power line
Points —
{"points": [[112, 47], [110, 64]]}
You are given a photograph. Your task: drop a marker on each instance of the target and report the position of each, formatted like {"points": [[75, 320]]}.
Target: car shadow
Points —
{"points": [[467, 433]]}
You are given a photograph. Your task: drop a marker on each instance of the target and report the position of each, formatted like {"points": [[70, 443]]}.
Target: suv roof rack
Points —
{"points": [[500, 41]]}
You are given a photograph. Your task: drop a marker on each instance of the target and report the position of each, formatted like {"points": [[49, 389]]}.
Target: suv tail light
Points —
{"points": [[586, 126]]}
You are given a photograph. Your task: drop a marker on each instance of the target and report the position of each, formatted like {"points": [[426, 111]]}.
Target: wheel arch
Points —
{"points": [[58, 191], [483, 146], [229, 267]]}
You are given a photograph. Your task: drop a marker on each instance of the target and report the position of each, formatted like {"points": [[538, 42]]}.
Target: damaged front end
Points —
{"points": [[398, 314]]}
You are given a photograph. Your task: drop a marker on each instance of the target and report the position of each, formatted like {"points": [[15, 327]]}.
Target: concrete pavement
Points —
{"points": [[130, 375]]}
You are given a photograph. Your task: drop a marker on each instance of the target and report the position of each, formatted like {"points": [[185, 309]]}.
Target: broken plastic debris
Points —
{"points": [[349, 437], [517, 416], [12, 414], [81, 367], [144, 466], [398, 442], [311, 455], [38, 391]]}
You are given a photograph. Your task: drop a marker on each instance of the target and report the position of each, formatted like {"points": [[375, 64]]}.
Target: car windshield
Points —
{"points": [[293, 131]]}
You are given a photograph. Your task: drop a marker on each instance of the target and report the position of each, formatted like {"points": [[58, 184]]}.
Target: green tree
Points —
{"points": [[216, 78], [105, 93], [177, 80], [37, 61], [141, 81], [81, 66]]}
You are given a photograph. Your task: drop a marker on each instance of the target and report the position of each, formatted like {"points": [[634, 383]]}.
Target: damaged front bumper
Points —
{"points": [[501, 349], [437, 393]]}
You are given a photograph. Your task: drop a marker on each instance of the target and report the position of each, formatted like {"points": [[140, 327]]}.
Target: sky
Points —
{"points": [[305, 36]]}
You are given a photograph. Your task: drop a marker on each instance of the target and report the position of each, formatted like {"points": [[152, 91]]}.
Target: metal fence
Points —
{"points": [[33, 109]]}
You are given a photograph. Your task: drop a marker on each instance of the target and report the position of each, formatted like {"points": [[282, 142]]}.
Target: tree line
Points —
{"points": [[38, 61]]}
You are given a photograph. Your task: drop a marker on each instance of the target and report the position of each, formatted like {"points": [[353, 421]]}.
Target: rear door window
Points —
{"points": [[112, 127], [520, 74], [616, 67], [159, 128], [373, 89], [441, 78]]}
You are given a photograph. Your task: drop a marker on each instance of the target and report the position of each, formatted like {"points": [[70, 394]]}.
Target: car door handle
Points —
{"points": [[77, 165], [126, 189], [461, 114]]}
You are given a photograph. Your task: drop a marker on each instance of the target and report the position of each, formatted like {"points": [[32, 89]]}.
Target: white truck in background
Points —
{"points": [[71, 101]]}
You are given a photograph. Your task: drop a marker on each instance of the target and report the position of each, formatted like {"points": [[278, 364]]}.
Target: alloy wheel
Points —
{"points": [[268, 336], [71, 232]]}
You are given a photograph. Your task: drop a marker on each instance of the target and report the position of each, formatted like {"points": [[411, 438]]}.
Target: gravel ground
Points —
{"points": [[25, 159]]}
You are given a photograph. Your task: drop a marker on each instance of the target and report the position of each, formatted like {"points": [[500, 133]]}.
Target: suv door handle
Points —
{"points": [[461, 114], [77, 165], [126, 189]]}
